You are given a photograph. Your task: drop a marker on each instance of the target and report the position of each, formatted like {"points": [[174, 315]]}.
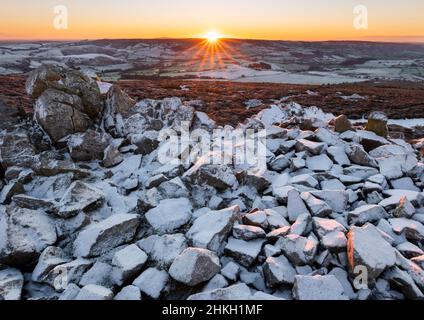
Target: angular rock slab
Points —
{"points": [[318, 288], [79, 197], [11, 283], [101, 237], [236, 292], [94, 292], [152, 282], [367, 248], [24, 234], [194, 266], [244, 252], [211, 229], [170, 215], [278, 271]]}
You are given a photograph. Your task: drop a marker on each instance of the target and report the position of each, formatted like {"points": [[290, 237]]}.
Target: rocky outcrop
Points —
{"points": [[66, 101], [332, 215]]}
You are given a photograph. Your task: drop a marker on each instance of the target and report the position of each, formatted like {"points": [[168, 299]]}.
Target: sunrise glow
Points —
{"points": [[255, 19], [212, 36]]}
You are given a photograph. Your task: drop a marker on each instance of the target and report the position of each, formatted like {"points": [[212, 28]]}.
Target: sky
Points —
{"points": [[253, 19]]}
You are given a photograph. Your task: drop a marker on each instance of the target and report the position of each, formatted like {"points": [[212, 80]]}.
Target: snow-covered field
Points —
{"points": [[289, 62]]}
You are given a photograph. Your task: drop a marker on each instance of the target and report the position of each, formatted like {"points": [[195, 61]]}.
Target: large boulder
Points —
{"points": [[41, 79], [67, 101], [69, 81], [61, 114]]}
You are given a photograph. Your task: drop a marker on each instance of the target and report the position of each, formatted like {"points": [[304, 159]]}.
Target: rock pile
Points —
{"points": [[88, 212]]}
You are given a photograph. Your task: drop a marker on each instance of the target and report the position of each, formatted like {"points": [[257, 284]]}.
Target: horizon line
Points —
{"points": [[373, 39]]}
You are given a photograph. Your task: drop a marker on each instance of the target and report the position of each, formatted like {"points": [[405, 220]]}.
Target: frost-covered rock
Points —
{"points": [[99, 274], [336, 199], [210, 230], [318, 288], [231, 271], [319, 163], [317, 207], [312, 147], [24, 234], [235, 292], [170, 215], [108, 234], [64, 274], [16, 149], [87, 146], [217, 176], [50, 258], [11, 283], [194, 266], [244, 252], [401, 279], [299, 250], [411, 229], [94, 292], [127, 263], [295, 205], [163, 249], [376, 257], [79, 197], [331, 233], [278, 271], [338, 155], [128, 293], [367, 213], [152, 282], [60, 114], [248, 233], [9, 190], [112, 156]]}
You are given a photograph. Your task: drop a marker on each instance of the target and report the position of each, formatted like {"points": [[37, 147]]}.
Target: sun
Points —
{"points": [[212, 36]]}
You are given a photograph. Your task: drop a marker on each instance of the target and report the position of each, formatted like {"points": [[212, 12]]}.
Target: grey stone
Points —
{"points": [[194, 266]]}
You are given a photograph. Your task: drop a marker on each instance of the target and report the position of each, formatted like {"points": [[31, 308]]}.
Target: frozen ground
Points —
{"points": [[235, 60]]}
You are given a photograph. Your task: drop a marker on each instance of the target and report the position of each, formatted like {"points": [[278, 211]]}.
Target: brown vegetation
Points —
{"points": [[225, 101]]}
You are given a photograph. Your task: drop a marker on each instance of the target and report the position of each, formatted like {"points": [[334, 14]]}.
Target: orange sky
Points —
{"points": [[255, 19]]}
